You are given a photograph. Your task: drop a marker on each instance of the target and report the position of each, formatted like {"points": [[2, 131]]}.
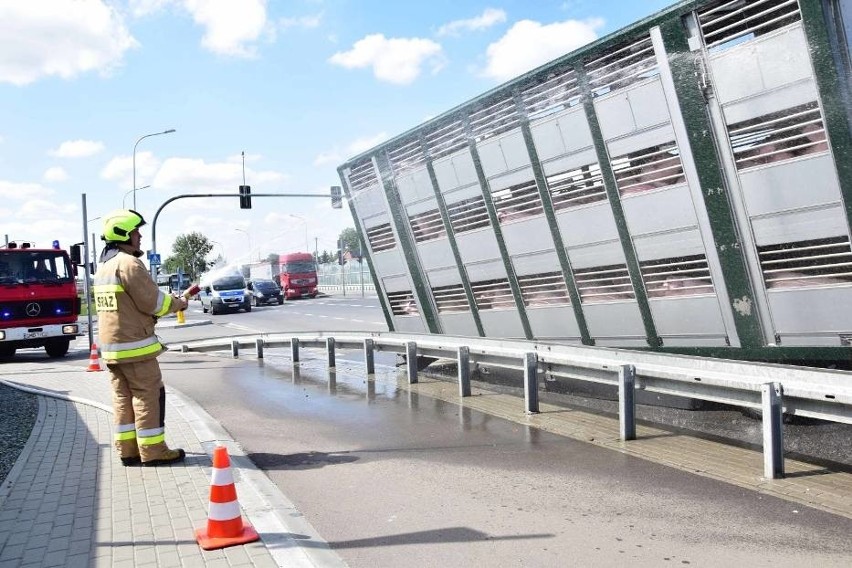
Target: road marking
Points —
{"points": [[241, 327]]}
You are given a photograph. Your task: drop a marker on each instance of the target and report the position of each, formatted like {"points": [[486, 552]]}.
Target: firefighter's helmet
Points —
{"points": [[119, 224]]}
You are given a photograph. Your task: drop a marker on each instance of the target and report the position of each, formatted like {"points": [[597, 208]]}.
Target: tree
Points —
{"points": [[350, 240], [189, 253]]}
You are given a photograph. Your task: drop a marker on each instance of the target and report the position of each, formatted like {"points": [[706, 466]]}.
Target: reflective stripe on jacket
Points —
{"points": [[128, 301]]}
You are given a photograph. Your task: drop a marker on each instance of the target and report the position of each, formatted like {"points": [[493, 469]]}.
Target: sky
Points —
{"points": [[276, 93]]}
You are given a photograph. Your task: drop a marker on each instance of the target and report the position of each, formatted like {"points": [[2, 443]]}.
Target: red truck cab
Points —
{"points": [[38, 299], [297, 275]]}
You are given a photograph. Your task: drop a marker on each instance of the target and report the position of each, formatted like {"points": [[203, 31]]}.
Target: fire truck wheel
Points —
{"points": [[57, 347], [6, 352]]}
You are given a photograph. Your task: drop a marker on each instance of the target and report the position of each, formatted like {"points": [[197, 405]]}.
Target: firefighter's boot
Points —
{"points": [[168, 457], [131, 461]]}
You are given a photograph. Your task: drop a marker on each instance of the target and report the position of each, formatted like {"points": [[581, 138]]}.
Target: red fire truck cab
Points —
{"points": [[38, 299], [297, 275]]}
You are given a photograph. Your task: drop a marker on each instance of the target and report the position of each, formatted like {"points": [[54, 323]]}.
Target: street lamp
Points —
{"points": [[221, 248], [128, 192], [305, 223], [169, 131], [248, 236]]}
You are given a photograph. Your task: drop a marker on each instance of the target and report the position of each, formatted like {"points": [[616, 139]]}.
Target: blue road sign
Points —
{"points": [[154, 258]]}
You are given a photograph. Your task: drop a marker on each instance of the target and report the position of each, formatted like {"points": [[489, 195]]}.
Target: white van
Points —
{"points": [[222, 292]]}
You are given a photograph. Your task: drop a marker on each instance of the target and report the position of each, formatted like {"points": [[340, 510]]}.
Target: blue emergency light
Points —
{"points": [[56, 244]]}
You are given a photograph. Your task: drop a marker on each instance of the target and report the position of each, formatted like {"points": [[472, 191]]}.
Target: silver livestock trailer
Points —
{"points": [[681, 185]]}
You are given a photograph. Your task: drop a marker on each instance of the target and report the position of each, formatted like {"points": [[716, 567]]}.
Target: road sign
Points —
{"points": [[154, 259]]}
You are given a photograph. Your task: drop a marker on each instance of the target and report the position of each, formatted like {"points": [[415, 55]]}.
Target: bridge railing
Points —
{"points": [[772, 389]]}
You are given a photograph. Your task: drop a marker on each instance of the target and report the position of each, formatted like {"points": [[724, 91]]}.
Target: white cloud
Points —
{"points": [[529, 44], [306, 22], [197, 175], [55, 174], [77, 149], [141, 8], [13, 191], [120, 169], [230, 28], [61, 38], [488, 18], [394, 60], [338, 155]]}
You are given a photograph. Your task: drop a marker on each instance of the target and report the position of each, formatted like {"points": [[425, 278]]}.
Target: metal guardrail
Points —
{"points": [[772, 389]]}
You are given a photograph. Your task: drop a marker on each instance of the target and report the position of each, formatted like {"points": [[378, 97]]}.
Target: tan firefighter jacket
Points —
{"points": [[128, 301]]}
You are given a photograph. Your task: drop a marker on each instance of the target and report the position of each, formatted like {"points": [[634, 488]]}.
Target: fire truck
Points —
{"points": [[38, 299]]}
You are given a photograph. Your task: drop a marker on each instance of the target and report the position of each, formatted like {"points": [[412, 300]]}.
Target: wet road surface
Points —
{"points": [[391, 478]]}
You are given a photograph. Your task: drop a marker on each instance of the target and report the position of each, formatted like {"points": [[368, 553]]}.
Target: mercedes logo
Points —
{"points": [[33, 309]]}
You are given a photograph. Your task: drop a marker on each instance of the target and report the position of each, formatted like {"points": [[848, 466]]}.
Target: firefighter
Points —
{"points": [[128, 303]]}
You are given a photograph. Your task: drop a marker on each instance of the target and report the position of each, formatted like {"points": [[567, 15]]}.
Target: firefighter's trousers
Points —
{"points": [[139, 408]]}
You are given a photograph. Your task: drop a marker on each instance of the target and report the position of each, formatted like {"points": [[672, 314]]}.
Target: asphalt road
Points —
{"points": [[393, 479]]}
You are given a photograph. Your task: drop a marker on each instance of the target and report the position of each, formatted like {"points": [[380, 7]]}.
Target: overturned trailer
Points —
{"points": [[681, 185]]}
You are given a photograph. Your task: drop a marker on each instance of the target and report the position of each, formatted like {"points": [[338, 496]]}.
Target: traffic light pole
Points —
{"points": [[153, 268]]}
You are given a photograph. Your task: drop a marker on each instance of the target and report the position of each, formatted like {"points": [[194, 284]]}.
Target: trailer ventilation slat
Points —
{"points": [[495, 119], [381, 237], [681, 276], [403, 303], [807, 264], [468, 215], [622, 66], [493, 294], [450, 298], [604, 284], [517, 202], [406, 157], [446, 140], [778, 137], [552, 95], [576, 187], [731, 22], [362, 176], [546, 289], [648, 169], [427, 226]]}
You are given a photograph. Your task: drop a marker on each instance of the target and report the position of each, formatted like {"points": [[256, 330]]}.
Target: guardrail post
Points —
{"points": [[464, 371], [773, 431], [369, 356], [411, 361], [258, 345], [531, 382], [235, 348], [294, 349], [627, 402], [329, 345]]}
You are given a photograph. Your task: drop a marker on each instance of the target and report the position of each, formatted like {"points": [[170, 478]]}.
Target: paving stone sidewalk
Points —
{"points": [[68, 501]]}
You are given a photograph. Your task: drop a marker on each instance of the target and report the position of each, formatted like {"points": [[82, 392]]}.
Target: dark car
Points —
{"points": [[264, 292]]}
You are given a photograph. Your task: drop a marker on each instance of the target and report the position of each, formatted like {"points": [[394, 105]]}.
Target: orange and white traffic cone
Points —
{"points": [[225, 525], [94, 359]]}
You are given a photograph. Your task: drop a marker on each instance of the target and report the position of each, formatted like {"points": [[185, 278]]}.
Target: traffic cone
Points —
{"points": [[94, 359], [225, 525]]}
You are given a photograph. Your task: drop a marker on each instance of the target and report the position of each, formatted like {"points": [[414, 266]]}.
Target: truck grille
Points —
{"points": [[31, 310]]}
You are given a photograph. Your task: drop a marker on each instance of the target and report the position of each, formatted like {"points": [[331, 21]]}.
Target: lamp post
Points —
{"points": [[305, 223], [248, 236], [169, 131], [221, 249], [128, 192]]}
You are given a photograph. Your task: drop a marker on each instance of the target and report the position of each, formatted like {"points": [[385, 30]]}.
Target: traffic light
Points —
{"points": [[76, 254], [245, 197], [336, 197]]}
